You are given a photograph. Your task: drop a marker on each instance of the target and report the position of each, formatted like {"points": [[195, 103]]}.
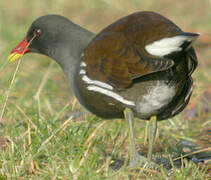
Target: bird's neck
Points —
{"points": [[68, 55]]}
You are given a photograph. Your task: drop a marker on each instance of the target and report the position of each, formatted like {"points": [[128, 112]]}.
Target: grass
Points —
{"points": [[44, 142]]}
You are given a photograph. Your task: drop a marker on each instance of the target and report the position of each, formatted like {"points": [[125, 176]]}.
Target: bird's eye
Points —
{"points": [[37, 32]]}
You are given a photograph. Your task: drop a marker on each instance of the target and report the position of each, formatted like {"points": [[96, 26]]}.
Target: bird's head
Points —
{"points": [[44, 35]]}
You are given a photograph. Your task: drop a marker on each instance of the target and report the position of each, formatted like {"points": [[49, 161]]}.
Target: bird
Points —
{"points": [[139, 66]]}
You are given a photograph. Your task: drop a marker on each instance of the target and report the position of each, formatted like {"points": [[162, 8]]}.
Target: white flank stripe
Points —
{"points": [[83, 64], [82, 71], [111, 94], [95, 82], [167, 45]]}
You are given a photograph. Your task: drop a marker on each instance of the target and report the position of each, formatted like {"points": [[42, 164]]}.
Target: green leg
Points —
{"points": [[135, 158], [152, 128]]}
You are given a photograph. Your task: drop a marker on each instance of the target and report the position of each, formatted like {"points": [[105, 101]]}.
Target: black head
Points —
{"points": [[44, 36], [47, 32], [54, 36]]}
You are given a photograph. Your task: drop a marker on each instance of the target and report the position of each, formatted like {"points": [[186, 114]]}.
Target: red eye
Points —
{"points": [[37, 32]]}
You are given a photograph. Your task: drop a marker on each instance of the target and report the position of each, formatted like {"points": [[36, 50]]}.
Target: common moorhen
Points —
{"points": [[140, 66]]}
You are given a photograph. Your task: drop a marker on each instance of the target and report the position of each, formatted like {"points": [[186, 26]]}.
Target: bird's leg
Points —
{"points": [[135, 158], [152, 128]]}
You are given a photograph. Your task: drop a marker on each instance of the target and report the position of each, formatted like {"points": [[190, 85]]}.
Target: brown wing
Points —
{"points": [[112, 59], [117, 55]]}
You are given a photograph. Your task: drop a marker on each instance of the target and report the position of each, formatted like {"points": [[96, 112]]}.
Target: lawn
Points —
{"points": [[46, 134]]}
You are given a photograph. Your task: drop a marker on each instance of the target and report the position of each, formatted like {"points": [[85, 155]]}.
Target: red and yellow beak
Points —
{"points": [[19, 51]]}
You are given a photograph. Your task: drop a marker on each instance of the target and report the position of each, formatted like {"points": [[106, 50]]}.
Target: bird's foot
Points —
{"points": [[140, 161]]}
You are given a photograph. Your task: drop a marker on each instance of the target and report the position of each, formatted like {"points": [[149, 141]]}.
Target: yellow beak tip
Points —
{"points": [[14, 56]]}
